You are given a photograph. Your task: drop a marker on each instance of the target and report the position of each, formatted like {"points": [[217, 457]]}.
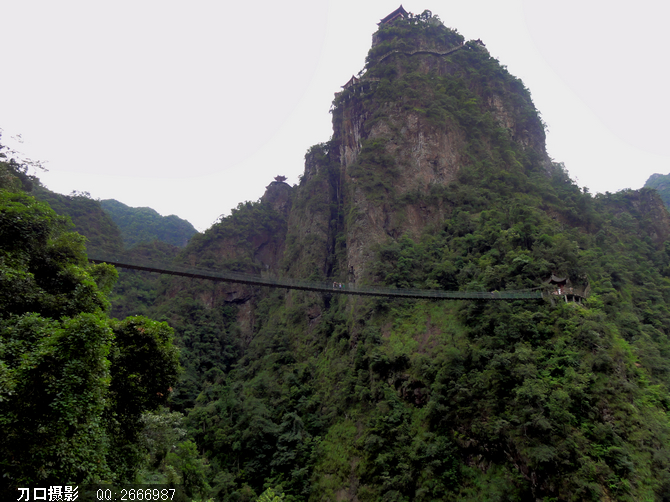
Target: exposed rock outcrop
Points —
{"points": [[415, 146], [278, 196]]}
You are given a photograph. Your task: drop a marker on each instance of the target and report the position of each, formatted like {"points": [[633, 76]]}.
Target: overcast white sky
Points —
{"points": [[193, 107]]}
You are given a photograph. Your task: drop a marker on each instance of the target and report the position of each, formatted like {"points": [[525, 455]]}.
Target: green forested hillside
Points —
{"points": [[144, 225], [111, 226], [102, 234], [135, 290], [436, 177], [114, 229], [74, 384], [331, 397]]}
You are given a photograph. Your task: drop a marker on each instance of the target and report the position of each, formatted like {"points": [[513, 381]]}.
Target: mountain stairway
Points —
{"points": [[322, 287]]}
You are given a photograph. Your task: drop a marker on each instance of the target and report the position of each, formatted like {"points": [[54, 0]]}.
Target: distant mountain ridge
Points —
{"points": [[111, 226], [143, 224]]}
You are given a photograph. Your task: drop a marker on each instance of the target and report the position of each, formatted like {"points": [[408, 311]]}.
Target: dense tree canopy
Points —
{"points": [[73, 383], [144, 225]]}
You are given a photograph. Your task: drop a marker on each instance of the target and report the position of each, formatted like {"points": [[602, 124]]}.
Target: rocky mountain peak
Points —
{"points": [[278, 196]]}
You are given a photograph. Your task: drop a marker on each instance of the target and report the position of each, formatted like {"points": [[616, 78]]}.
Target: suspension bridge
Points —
{"points": [[321, 287]]}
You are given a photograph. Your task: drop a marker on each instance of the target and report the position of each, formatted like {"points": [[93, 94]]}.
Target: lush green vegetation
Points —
{"points": [[661, 184], [287, 395], [135, 290], [144, 225], [111, 226], [114, 229], [393, 400], [73, 382], [450, 95], [102, 234], [550, 385], [421, 32], [417, 401], [248, 224]]}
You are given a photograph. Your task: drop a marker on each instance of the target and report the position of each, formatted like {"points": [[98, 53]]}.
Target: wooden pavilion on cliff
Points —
{"points": [[400, 12], [352, 81], [358, 85], [563, 287]]}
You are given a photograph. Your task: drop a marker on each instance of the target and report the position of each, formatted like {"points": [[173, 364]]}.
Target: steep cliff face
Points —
{"points": [[645, 208], [251, 240], [436, 177], [278, 196], [313, 220], [426, 106]]}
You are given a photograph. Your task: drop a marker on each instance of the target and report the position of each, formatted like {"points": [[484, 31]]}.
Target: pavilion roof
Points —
{"points": [[353, 80], [399, 12]]}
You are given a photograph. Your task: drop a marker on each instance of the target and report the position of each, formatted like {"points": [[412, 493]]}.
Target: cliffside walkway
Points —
{"points": [[419, 51], [321, 287]]}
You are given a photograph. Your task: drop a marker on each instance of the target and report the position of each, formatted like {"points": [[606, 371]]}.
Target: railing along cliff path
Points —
{"points": [[322, 287], [419, 51], [360, 83]]}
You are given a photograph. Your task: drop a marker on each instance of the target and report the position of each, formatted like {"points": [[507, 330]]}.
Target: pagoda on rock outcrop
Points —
{"points": [[351, 82], [409, 123], [400, 12]]}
